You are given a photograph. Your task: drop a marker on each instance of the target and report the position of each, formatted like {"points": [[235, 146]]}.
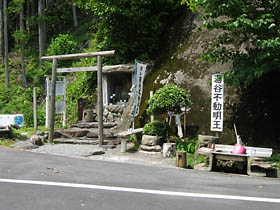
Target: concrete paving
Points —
{"points": [[100, 185]]}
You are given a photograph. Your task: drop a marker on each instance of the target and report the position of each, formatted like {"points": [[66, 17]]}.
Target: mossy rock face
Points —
{"points": [[183, 69], [254, 110]]}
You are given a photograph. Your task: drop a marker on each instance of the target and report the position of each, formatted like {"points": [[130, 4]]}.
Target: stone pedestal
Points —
{"points": [[169, 149], [150, 140], [150, 143], [123, 145], [155, 148]]}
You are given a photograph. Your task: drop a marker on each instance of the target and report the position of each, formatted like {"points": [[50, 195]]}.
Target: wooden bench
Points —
{"points": [[124, 136], [224, 152]]}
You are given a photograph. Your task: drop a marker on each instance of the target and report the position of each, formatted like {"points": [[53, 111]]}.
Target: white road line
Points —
{"points": [[144, 191]]}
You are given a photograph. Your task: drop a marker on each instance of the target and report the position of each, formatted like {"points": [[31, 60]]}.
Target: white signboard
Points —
{"points": [[217, 102], [11, 119], [60, 107], [140, 74], [60, 88]]}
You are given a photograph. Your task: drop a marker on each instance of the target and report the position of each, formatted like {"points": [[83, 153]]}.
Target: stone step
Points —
{"points": [[86, 141], [89, 133], [94, 125]]}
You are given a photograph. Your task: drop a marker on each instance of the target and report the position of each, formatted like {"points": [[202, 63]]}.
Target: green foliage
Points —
{"points": [[63, 45], [20, 35], [169, 98], [17, 100], [131, 138], [15, 6], [275, 158], [250, 36], [58, 19], [157, 128], [7, 143], [189, 145], [84, 86], [193, 160], [132, 27], [136, 144], [190, 3]]}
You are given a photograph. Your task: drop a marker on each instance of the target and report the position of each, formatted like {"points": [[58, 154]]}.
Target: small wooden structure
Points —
{"points": [[181, 159], [116, 79], [54, 60]]}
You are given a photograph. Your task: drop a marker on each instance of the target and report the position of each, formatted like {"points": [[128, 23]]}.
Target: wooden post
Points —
{"points": [[6, 59], [52, 103], [185, 123], [47, 102], [181, 159], [35, 109], [100, 100], [151, 95], [64, 99]]}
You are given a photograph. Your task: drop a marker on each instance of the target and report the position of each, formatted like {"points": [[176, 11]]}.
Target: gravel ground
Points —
{"points": [[115, 155]]}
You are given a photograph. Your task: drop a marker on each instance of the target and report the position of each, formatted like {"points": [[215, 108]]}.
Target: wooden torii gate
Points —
{"points": [[54, 60]]}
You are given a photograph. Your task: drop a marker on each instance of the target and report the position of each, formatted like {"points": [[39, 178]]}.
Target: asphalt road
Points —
{"points": [[32, 181]]}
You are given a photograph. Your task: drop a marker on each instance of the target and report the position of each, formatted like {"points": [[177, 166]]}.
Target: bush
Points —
{"points": [[17, 100], [156, 128], [63, 45], [84, 86], [189, 146], [169, 98]]}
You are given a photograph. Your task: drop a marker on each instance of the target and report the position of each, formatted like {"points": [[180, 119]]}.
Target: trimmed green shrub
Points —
{"points": [[156, 128], [169, 98]]}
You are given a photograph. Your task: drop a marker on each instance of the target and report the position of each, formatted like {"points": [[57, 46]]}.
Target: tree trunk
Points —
{"points": [[41, 29], [75, 20], [1, 30], [33, 7], [44, 23], [21, 25], [28, 16], [6, 61]]}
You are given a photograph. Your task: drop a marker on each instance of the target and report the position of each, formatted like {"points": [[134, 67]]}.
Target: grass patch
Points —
{"points": [[192, 160], [28, 131], [7, 143]]}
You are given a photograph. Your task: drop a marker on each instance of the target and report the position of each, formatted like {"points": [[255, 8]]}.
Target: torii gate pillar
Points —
{"points": [[100, 100]]}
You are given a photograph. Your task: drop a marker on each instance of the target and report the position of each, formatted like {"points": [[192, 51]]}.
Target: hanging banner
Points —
{"points": [[217, 102], [140, 74]]}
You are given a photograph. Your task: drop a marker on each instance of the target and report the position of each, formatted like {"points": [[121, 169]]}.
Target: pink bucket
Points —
{"points": [[239, 149]]}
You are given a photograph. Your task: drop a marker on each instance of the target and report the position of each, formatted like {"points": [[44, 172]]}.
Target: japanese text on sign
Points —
{"points": [[217, 102], [140, 74]]}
